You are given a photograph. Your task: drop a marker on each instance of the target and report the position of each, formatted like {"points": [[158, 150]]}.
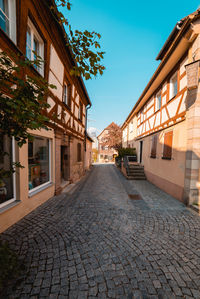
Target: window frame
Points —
{"points": [[164, 156], [35, 34], [4, 204], [79, 154], [158, 102], [46, 184], [80, 111], [175, 75], [12, 20], [68, 86], [154, 142]]}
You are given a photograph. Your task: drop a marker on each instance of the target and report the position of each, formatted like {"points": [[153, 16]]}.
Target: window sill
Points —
{"points": [[9, 206], [152, 157], [34, 192], [166, 158]]}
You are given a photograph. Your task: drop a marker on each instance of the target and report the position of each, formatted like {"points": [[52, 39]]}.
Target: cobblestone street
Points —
{"points": [[100, 243]]}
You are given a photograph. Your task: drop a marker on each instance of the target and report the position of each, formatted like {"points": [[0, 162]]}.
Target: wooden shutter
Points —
{"points": [[167, 151], [154, 146]]}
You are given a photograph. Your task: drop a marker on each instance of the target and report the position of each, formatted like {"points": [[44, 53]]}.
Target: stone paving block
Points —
{"points": [[98, 243]]}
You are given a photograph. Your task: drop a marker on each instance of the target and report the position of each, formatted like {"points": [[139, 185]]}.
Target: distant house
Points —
{"points": [[105, 152], [88, 158], [164, 124]]}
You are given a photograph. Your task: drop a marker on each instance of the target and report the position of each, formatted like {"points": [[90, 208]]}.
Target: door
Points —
{"points": [[141, 148], [64, 163]]}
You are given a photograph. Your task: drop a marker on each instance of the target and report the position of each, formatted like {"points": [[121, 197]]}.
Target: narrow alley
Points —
{"points": [[110, 238]]}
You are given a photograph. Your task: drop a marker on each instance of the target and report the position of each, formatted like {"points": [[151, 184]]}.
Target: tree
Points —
{"points": [[85, 45], [113, 139], [22, 103]]}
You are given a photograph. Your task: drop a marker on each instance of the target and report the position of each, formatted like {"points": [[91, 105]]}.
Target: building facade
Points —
{"points": [[88, 152], [164, 124], [105, 152], [54, 157]]}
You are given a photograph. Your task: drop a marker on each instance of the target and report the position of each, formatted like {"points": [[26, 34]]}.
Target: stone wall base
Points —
{"points": [[169, 187]]}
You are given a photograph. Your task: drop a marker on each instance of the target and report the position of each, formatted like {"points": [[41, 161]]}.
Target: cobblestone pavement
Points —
{"points": [[99, 243]]}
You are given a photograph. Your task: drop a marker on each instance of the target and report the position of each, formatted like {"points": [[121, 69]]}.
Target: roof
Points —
{"points": [[174, 38], [89, 138], [69, 50], [107, 128]]}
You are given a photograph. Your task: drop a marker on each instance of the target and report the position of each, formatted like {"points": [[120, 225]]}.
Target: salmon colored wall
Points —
{"points": [[28, 204], [172, 171]]}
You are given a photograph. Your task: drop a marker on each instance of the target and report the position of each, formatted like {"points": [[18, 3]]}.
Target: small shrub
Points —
{"points": [[126, 152]]}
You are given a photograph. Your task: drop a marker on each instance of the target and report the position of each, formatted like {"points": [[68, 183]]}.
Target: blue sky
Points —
{"points": [[133, 33]]}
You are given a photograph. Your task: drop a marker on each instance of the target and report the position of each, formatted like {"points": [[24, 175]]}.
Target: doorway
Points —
{"points": [[64, 163], [141, 148]]}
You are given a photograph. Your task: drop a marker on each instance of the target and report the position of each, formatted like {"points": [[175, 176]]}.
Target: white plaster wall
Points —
{"points": [[56, 65]]}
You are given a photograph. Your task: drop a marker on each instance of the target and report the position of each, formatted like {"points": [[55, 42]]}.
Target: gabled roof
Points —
{"points": [[107, 128], [168, 48]]}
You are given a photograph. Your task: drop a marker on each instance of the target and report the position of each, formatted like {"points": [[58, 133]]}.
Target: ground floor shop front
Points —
{"points": [[50, 161]]}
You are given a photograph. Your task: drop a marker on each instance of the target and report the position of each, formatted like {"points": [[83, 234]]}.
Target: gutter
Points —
{"points": [[86, 116]]}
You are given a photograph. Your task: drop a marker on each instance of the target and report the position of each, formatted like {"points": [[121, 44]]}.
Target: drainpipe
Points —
{"points": [[87, 108]]}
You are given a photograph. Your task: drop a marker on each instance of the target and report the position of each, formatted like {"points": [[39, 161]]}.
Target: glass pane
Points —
{"points": [[38, 162], [4, 20], [28, 44], [6, 184]]}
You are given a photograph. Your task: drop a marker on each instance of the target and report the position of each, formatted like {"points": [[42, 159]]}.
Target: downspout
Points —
{"points": [[87, 108]]}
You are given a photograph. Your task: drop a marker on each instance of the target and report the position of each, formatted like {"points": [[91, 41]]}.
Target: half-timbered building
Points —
{"points": [[54, 157], [164, 124]]}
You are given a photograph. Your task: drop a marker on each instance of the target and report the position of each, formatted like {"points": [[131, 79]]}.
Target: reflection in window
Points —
{"points": [[8, 18], [34, 46], [6, 184], [173, 86], [38, 161]]}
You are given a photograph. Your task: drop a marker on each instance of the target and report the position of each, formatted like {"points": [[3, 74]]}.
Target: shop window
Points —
{"points": [[173, 86], [39, 153], [7, 185], [34, 46], [167, 149], [79, 159], [8, 18], [67, 95], [153, 146]]}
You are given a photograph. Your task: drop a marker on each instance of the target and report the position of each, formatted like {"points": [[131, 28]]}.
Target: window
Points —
{"points": [[153, 146], [80, 111], [39, 163], [8, 18], [158, 101], [7, 185], [34, 46], [167, 149], [67, 95], [131, 127], [173, 86], [79, 158]]}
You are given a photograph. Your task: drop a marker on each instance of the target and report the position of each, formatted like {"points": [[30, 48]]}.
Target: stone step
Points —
{"points": [[136, 178], [135, 171]]}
